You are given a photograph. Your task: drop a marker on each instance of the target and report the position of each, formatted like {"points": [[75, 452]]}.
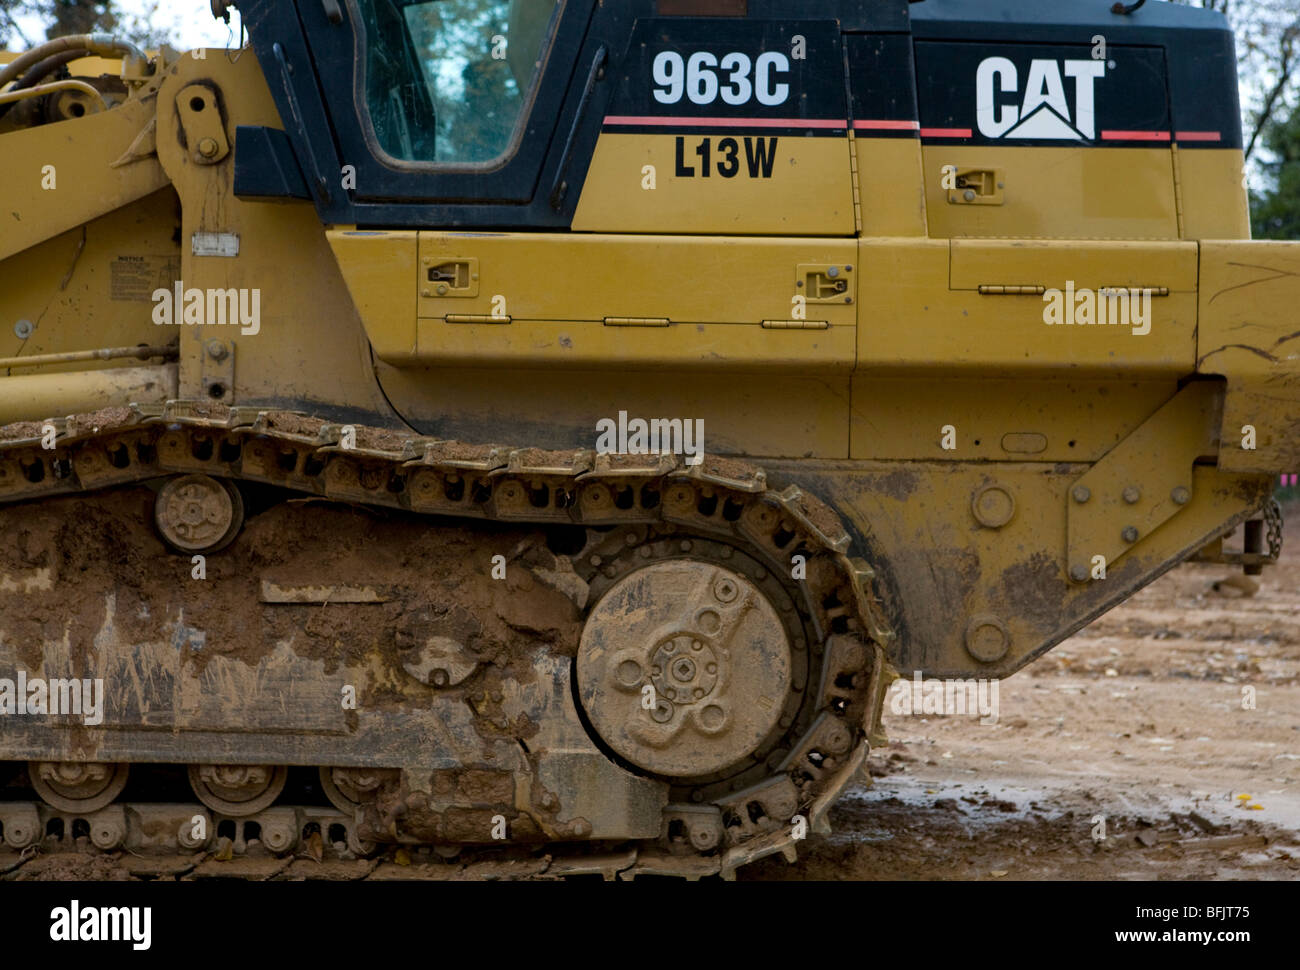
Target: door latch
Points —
{"points": [[978, 186], [822, 283], [449, 276]]}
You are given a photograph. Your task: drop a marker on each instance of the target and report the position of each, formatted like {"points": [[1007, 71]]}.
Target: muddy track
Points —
{"points": [[450, 483]]}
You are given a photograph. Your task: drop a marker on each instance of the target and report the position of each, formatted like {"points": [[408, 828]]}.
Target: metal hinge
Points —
{"points": [[475, 318], [796, 325], [637, 322], [1000, 289]]}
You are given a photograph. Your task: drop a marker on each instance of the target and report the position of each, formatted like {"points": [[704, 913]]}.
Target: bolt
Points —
{"points": [[217, 350], [704, 837], [1079, 573], [208, 147], [1131, 494], [23, 329], [1081, 493], [276, 837], [1180, 495], [426, 293], [1130, 534], [185, 835], [442, 289], [969, 195], [833, 272]]}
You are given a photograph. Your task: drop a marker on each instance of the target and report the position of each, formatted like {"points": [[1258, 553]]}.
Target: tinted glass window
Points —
{"points": [[450, 81]]}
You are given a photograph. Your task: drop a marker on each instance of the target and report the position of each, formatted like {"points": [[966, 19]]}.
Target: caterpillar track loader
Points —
{"points": [[522, 426]]}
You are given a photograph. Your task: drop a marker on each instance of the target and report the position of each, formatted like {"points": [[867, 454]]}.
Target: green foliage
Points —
{"points": [[1275, 213]]}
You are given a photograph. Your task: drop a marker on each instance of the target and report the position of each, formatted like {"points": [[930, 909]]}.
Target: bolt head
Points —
{"points": [[1079, 573], [217, 350], [1081, 493], [208, 147], [1180, 495], [1131, 494], [1130, 534], [969, 195]]}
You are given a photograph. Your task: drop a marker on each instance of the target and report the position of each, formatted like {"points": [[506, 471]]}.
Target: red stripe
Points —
{"points": [[945, 132], [661, 122], [1135, 136], [887, 125], [1198, 136]]}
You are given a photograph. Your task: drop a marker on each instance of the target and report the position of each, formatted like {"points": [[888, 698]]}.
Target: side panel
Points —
{"points": [[1046, 140], [724, 126]]}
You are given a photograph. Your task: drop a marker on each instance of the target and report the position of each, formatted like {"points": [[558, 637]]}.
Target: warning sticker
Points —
{"points": [[134, 278]]}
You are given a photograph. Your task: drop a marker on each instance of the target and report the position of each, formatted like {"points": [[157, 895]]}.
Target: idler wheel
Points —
{"points": [[684, 668]]}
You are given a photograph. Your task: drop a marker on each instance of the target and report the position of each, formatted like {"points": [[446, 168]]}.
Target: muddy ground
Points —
{"points": [[1139, 718]]}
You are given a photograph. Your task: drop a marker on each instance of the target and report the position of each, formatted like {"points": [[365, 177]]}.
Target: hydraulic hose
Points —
{"points": [[42, 70], [104, 45]]}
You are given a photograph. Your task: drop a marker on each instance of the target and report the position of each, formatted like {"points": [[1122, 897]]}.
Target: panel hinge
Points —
{"points": [[1001, 289], [475, 318], [796, 325], [637, 322]]}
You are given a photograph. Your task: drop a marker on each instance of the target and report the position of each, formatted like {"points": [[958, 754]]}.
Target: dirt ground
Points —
{"points": [[1139, 718]]}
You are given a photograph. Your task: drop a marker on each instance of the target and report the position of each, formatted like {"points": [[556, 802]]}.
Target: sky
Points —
{"points": [[190, 24]]}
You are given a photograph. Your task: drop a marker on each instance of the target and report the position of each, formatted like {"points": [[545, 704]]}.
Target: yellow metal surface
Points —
{"points": [[927, 314], [309, 345], [1073, 193], [77, 159], [996, 419], [1143, 482], [30, 397], [1214, 193], [949, 573], [535, 299], [807, 189], [91, 286], [1249, 333]]}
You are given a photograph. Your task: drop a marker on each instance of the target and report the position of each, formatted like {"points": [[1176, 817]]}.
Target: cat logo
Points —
{"points": [[1044, 112]]}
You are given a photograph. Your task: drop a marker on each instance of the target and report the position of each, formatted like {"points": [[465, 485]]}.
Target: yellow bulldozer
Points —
{"points": [[507, 426]]}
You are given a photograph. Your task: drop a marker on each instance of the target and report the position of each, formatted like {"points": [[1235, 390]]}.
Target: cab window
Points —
{"points": [[450, 82]]}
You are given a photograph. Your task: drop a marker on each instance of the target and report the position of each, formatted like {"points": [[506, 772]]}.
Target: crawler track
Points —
{"points": [[632, 510]]}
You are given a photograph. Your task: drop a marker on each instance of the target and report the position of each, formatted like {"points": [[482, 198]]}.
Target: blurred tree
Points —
{"points": [[64, 17], [1275, 212], [77, 16], [1268, 57]]}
